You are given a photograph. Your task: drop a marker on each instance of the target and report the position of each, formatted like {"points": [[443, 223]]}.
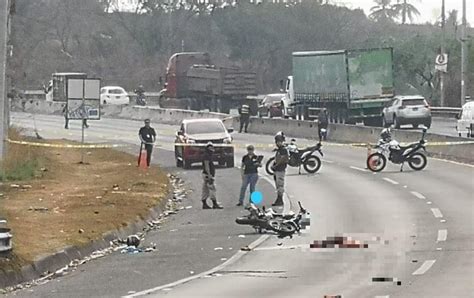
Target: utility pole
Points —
{"points": [[443, 42], [4, 106], [463, 54]]}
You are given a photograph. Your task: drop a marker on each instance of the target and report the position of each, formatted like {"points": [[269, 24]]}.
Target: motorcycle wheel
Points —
{"points": [[417, 161], [283, 229], [376, 162], [268, 166], [312, 164]]}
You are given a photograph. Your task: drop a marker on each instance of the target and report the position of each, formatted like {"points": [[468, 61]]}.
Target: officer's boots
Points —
{"points": [[278, 201]]}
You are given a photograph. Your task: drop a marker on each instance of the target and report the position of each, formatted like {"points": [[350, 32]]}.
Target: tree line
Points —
{"points": [[131, 48]]}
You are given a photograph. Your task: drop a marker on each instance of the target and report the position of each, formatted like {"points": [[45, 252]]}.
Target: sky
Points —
{"points": [[430, 10]]}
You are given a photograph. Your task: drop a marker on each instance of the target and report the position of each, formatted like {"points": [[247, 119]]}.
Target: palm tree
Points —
{"points": [[405, 9], [383, 10]]}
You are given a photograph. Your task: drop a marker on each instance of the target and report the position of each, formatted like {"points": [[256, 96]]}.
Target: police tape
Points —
{"points": [[235, 145], [69, 146]]}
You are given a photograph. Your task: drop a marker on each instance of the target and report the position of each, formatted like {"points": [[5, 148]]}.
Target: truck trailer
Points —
{"points": [[193, 82], [353, 85]]}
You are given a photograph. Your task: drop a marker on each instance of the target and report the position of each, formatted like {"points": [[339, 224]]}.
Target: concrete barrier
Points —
{"points": [[361, 134], [156, 114]]}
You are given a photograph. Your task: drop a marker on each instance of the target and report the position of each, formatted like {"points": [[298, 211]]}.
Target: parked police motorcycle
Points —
{"points": [[397, 154], [300, 157]]}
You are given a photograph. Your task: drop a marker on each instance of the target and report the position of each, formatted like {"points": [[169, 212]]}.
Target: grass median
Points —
{"points": [[51, 201]]}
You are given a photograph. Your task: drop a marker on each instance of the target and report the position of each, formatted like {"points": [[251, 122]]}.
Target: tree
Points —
{"points": [[405, 9], [383, 11]]}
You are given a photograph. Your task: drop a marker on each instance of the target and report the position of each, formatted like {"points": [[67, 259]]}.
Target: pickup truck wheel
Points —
{"points": [[230, 162], [186, 164], [179, 163]]}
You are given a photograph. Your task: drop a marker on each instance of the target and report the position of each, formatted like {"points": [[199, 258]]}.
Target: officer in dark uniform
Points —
{"points": [[208, 174], [147, 135]]}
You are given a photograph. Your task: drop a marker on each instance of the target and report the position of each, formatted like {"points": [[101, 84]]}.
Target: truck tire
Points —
{"points": [[230, 162]]}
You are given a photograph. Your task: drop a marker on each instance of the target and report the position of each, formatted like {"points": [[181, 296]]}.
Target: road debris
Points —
{"points": [[245, 248], [116, 245], [40, 209]]}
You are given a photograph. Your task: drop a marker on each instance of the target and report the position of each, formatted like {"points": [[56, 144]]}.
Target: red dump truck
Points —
{"points": [[193, 82]]}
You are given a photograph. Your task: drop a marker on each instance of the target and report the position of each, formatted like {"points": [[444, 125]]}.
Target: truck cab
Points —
{"points": [[289, 99], [465, 123]]}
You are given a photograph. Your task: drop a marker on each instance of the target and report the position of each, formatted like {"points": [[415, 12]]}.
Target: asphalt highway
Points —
{"points": [[418, 226]]}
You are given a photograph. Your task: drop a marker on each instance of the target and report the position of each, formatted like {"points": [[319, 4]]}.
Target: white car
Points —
{"points": [[465, 122], [114, 95], [412, 109]]}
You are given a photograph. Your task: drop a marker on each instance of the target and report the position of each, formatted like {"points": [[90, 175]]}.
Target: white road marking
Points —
{"points": [[358, 169], [436, 212], [429, 202], [442, 235], [230, 261], [390, 181], [385, 296], [328, 161], [425, 267], [418, 195]]}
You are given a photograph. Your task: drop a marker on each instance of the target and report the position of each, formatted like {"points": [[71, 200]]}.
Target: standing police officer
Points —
{"points": [[244, 115], [208, 174], [279, 168], [147, 136]]}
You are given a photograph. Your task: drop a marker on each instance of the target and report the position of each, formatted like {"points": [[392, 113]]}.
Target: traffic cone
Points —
{"points": [[142, 159]]}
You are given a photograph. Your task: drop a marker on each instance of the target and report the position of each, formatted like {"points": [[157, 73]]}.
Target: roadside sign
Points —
{"points": [[83, 99], [441, 62]]}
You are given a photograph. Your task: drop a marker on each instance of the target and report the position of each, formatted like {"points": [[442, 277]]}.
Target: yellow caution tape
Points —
{"points": [[70, 146]]}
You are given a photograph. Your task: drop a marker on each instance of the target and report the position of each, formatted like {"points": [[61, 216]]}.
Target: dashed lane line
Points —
{"points": [[425, 267], [418, 195], [436, 212], [358, 169], [442, 235], [391, 181]]}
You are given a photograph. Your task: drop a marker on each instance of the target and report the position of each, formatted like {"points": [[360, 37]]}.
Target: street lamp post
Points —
{"points": [[4, 106], [463, 54]]}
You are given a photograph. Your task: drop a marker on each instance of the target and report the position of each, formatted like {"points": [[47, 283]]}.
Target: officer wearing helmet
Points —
{"points": [[249, 168], [279, 167], [208, 174]]}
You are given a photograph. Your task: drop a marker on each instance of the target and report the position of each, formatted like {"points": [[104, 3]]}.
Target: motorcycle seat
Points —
{"points": [[408, 147]]}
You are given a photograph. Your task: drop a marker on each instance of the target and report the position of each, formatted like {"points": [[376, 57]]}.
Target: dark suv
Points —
{"points": [[193, 136]]}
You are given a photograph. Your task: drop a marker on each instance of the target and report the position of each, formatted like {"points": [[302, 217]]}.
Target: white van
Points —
{"points": [[466, 120]]}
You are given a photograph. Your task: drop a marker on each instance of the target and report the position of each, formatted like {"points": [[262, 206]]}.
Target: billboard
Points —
{"points": [[83, 99]]}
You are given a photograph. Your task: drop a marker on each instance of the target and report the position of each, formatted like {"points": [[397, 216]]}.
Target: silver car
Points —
{"points": [[402, 110]]}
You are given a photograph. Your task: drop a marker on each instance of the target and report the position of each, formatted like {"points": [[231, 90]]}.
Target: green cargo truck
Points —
{"points": [[353, 85]]}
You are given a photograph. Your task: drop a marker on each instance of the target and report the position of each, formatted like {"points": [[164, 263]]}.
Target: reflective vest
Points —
{"points": [[245, 110]]}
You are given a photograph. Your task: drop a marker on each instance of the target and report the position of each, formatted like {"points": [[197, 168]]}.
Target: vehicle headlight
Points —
{"points": [[228, 140]]}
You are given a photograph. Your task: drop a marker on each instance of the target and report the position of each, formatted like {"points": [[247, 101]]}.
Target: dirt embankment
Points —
{"points": [[68, 203]]}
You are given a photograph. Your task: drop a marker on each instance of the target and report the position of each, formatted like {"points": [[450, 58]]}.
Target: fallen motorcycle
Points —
{"points": [[397, 154], [286, 226], [257, 218]]}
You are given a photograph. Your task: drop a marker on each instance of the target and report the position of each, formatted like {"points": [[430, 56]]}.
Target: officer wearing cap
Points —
{"points": [[208, 174], [249, 168], [147, 136]]}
